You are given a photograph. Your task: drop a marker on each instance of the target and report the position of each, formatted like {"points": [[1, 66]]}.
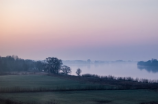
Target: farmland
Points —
{"points": [[44, 89]]}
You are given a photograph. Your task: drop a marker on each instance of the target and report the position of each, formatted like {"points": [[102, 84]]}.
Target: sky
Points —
{"points": [[79, 29]]}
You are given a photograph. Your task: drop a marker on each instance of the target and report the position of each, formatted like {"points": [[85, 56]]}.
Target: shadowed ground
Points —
{"points": [[66, 97]]}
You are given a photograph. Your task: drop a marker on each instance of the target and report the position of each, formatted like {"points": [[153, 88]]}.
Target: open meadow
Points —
{"points": [[44, 89]]}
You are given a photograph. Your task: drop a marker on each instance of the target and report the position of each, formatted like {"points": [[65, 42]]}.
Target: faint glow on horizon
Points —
{"points": [[60, 27]]}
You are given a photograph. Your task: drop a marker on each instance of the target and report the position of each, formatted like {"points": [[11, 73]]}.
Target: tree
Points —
{"points": [[39, 65], [53, 65], [65, 69], [78, 72]]}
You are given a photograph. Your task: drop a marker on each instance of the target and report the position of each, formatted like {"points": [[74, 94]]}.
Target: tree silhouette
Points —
{"points": [[53, 65], [78, 72], [65, 69]]}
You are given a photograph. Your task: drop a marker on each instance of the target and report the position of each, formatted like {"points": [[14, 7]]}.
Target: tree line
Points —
{"points": [[16, 64], [51, 65], [152, 62], [55, 66]]}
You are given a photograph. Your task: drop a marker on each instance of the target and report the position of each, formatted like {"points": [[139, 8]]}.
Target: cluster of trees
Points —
{"points": [[14, 63], [50, 65], [152, 62], [55, 66], [150, 65]]}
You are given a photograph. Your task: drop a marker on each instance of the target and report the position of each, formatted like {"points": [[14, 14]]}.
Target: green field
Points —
{"points": [[35, 82], [14, 82], [38, 83]]}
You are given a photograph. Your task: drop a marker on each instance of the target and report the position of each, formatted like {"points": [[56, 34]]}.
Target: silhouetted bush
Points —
{"points": [[119, 83]]}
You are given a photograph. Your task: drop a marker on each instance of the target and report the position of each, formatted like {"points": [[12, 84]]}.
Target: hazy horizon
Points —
{"points": [[79, 29]]}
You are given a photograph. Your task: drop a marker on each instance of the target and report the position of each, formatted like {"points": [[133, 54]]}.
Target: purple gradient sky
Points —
{"points": [[79, 29]]}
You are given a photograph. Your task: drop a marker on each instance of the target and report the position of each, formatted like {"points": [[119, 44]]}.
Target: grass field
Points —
{"points": [[66, 97], [35, 82]]}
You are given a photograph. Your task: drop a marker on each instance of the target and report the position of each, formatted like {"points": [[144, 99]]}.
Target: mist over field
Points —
{"points": [[78, 51]]}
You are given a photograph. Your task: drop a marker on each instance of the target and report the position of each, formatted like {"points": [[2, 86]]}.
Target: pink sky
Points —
{"points": [[79, 29]]}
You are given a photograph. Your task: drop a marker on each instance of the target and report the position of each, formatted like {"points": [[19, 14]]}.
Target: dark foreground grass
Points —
{"points": [[24, 89], [34, 81], [84, 97], [45, 83]]}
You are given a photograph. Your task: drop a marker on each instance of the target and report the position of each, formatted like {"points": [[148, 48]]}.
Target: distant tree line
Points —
{"points": [[15, 64], [150, 65], [152, 62]]}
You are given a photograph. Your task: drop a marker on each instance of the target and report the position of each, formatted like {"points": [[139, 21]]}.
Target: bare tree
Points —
{"points": [[78, 72]]}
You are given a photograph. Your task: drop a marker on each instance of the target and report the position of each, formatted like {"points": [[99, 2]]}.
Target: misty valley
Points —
{"points": [[78, 51], [117, 69], [54, 81]]}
